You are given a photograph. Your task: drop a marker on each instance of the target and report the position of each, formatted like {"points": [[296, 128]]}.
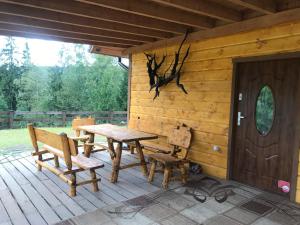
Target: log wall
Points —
{"points": [[207, 76]]}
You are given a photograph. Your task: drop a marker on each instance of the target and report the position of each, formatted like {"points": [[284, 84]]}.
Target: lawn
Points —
{"points": [[20, 137]]}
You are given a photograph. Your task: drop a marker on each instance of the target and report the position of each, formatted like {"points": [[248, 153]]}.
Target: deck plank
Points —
{"points": [[23, 201], [45, 210], [38, 199], [4, 217], [69, 202], [29, 196], [105, 196], [16, 215]]}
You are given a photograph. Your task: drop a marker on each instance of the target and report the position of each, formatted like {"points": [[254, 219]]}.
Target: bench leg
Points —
{"points": [[39, 167], [152, 170], [56, 161], [167, 173], [95, 183], [73, 185]]}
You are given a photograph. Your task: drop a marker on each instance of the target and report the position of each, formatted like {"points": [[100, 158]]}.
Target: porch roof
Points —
{"points": [[118, 28]]}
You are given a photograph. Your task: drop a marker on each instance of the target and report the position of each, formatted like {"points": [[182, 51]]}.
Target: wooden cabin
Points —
{"points": [[242, 75]]}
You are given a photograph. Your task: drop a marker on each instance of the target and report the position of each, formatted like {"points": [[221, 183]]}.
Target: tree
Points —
{"points": [[25, 93], [10, 73], [55, 87]]}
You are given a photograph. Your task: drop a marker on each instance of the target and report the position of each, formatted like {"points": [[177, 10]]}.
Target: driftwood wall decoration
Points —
{"points": [[158, 80]]}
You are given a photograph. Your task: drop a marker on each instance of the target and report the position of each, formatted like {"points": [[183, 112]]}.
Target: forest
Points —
{"points": [[75, 84]]}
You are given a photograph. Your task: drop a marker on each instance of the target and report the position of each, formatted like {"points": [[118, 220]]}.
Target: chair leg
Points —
{"points": [[95, 183], [131, 149], [56, 161], [73, 185], [183, 174], [166, 179], [152, 170]]}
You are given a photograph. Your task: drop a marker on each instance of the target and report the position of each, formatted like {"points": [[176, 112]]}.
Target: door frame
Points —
{"points": [[233, 115]]}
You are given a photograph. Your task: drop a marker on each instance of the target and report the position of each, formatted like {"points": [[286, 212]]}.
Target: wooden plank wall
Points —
{"points": [[208, 78]]}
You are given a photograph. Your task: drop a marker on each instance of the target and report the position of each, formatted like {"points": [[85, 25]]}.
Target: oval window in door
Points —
{"points": [[265, 110]]}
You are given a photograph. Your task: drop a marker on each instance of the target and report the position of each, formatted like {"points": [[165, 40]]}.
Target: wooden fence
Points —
{"points": [[19, 119]]}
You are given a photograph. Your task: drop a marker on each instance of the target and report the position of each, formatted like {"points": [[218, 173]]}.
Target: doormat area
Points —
{"points": [[142, 201], [256, 207]]}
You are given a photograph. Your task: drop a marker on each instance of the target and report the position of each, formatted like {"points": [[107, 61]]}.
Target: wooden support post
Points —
{"points": [[64, 118], [56, 161], [11, 119], [142, 159], [88, 148], [116, 163], [73, 185], [110, 116], [152, 171], [183, 172], [167, 173], [95, 182]]}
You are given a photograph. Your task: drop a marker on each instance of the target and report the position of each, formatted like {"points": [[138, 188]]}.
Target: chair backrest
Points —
{"points": [[181, 137], [59, 142], [82, 122]]}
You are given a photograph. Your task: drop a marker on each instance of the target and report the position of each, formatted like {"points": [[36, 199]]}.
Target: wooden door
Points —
{"points": [[265, 137]]}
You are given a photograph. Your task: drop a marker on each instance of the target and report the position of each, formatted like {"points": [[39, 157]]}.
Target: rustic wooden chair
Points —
{"points": [[76, 123], [180, 139], [60, 146], [85, 138]]}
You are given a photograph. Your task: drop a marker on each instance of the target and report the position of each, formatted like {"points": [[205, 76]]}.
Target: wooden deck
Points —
{"points": [[31, 197]]}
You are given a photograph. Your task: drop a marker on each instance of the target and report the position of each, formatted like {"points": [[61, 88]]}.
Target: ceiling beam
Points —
{"points": [[79, 21], [264, 6], [156, 11], [52, 38], [205, 8], [107, 51], [288, 16], [30, 22], [85, 38], [101, 13]]}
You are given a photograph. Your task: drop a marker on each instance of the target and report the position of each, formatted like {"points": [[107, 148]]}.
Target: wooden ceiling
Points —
{"points": [[119, 27]]}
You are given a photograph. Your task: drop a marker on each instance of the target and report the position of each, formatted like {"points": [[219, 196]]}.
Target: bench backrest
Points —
{"points": [[82, 122], [59, 142], [181, 137]]}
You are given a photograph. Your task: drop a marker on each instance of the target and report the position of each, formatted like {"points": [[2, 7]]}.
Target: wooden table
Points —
{"points": [[119, 135]]}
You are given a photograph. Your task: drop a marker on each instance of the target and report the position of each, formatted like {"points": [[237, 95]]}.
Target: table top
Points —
{"points": [[117, 133]]}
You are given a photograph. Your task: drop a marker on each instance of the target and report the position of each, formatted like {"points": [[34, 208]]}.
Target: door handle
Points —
{"points": [[239, 118]]}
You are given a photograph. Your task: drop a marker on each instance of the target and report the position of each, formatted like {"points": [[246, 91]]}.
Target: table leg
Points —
{"points": [[116, 163], [88, 148], [142, 158], [111, 148]]}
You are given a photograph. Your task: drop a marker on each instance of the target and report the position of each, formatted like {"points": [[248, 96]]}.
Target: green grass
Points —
{"points": [[17, 137], [14, 137]]}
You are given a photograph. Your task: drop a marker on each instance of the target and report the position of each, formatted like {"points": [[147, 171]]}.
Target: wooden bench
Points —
{"points": [[60, 146]]}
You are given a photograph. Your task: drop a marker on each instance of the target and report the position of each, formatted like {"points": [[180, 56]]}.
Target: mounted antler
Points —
{"points": [[158, 80], [153, 67]]}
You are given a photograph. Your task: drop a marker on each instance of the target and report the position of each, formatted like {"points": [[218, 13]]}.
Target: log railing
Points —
{"points": [[19, 119]]}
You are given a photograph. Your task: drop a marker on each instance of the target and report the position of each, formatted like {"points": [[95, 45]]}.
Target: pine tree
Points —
{"points": [[10, 73]]}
